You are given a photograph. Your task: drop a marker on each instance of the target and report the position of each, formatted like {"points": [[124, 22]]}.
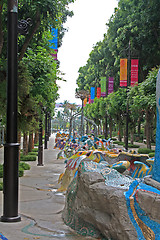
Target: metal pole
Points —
{"points": [[82, 120], [40, 147], [127, 108], [46, 133], [11, 148], [48, 127]]}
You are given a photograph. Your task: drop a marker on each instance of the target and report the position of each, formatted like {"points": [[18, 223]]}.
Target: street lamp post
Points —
{"points": [[46, 131], [82, 94], [40, 147], [11, 148], [127, 108]]}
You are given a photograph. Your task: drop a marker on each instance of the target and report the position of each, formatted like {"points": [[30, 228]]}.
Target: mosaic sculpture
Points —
{"points": [[3, 237], [156, 167], [122, 207]]}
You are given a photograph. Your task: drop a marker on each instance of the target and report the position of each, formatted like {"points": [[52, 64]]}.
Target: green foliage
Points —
{"points": [[1, 186], [152, 154], [24, 166], [145, 151], [37, 68], [33, 153], [28, 158], [1, 170], [36, 144], [127, 24], [101, 136], [21, 172], [133, 145], [35, 150]]}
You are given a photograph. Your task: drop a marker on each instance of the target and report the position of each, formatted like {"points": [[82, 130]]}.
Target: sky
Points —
{"points": [[85, 29]]}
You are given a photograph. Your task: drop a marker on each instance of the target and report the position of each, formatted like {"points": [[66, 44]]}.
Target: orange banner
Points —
{"points": [[123, 72], [85, 102]]}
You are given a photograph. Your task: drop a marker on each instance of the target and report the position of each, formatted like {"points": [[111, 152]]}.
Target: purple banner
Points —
{"points": [[110, 84]]}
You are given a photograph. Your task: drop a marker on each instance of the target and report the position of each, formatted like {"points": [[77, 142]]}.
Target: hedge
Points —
{"points": [[28, 158], [145, 150], [33, 153], [35, 150], [22, 167], [152, 154]]}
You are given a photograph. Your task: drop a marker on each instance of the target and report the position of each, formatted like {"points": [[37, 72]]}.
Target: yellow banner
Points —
{"points": [[123, 72], [85, 102]]}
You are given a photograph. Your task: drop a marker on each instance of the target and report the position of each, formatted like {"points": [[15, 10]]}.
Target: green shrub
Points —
{"points": [[145, 150], [21, 172], [35, 150], [101, 136], [1, 186], [116, 142], [133, 145], [24, 166], [152, 154], [33, 153], [36, 144], [1, 170], [121, 143], [114, 139], [28, 158]]}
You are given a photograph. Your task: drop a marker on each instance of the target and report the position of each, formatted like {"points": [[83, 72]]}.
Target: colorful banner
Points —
{"points": [[103, 86], [84, 102], [123, 72], [110, 85], [92, 94], [134, 72], [98, 92]]}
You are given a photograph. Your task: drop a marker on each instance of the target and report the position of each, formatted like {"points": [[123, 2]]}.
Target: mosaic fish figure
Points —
{"points": [[121, 166], [61, 155], [74, 163], [95, 156], [142, 169]]}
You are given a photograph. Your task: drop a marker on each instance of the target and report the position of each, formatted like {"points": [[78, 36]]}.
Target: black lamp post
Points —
{"points": [[40, 146], [11, 148], [127, 108], [48, 126], [46, 131]]}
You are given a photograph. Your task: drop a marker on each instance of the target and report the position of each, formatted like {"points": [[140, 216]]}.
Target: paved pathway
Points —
{"points": [[40, 206]]}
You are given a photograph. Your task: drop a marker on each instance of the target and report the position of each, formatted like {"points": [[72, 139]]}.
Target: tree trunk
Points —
{"points": [[36, 137], [98, 130], [119, 132], [25, 143], [31, 142], [106, 128], [110, 129], [148, 128], [70, 127], [87, 128], [132, 136], [139, 127], [1, 30]]}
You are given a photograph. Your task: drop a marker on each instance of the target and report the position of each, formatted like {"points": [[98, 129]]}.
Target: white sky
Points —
{"points": [[85, 29]]}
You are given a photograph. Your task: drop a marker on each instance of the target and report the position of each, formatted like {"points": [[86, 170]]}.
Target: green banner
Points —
{"points": [[103, 86]]}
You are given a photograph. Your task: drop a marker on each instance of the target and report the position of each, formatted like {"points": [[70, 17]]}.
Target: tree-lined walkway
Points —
{"points": [[40, 206]]}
